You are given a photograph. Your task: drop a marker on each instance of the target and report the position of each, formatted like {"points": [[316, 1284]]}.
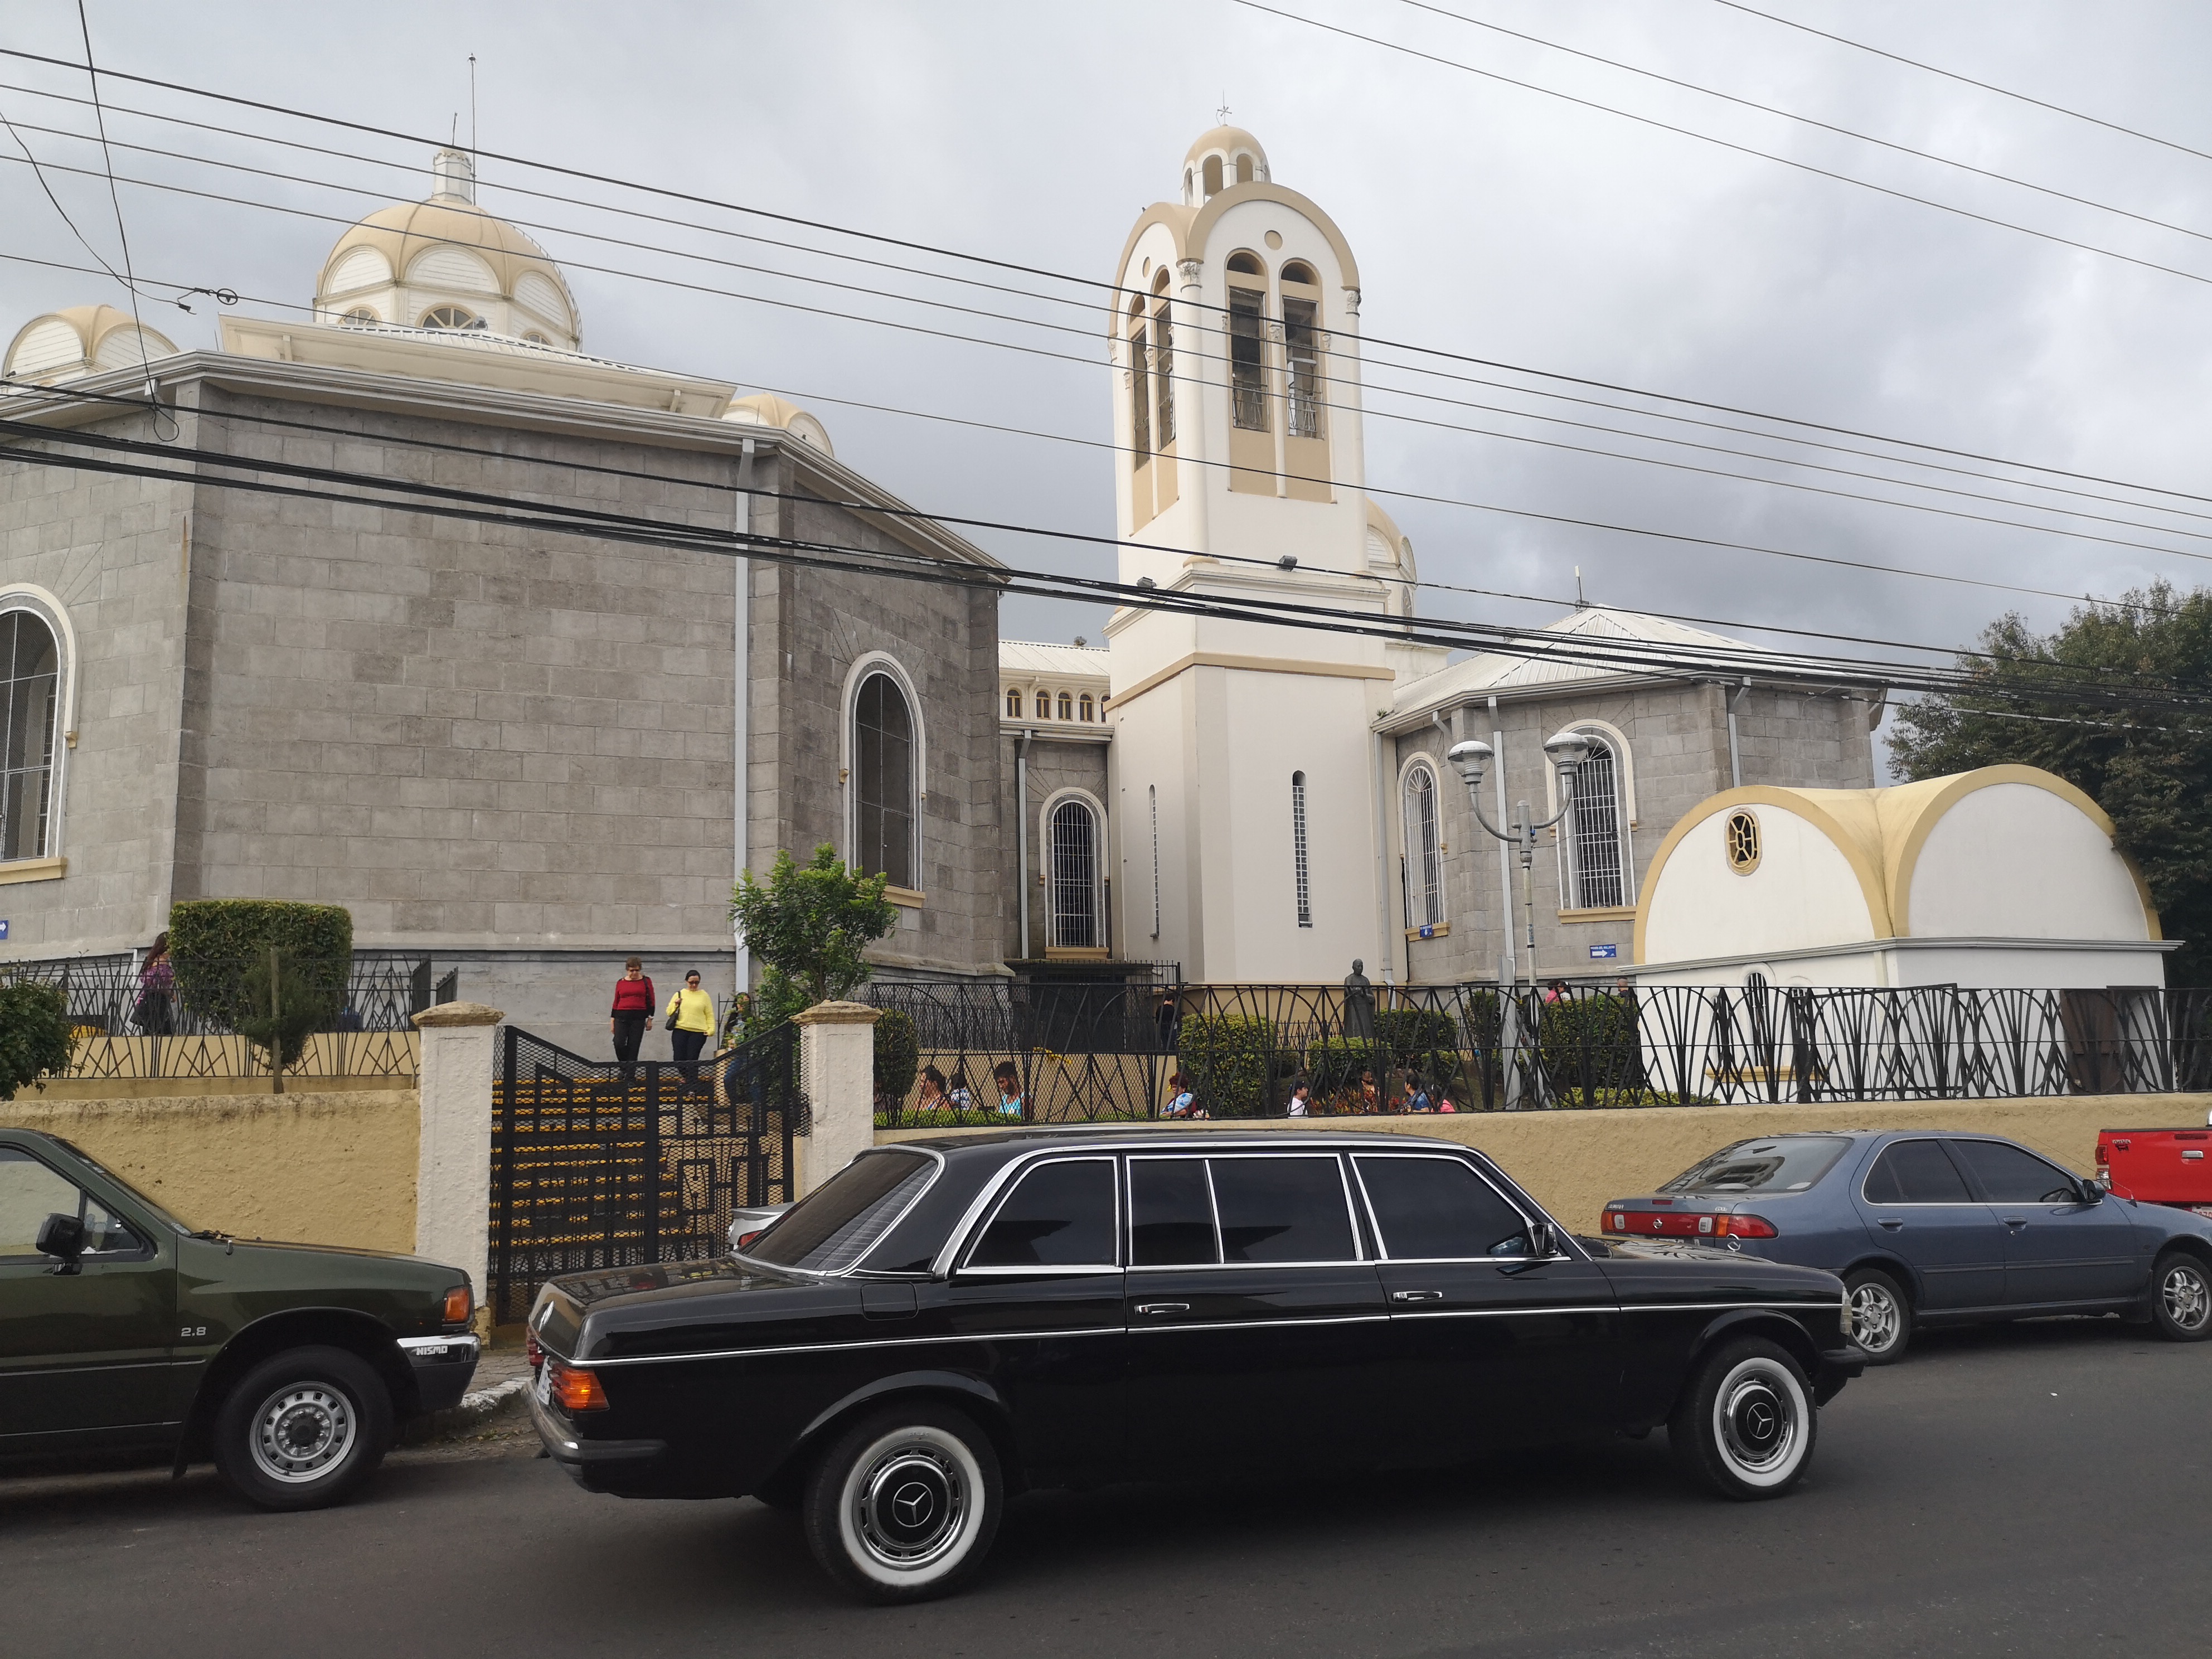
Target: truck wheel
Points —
{"points": [[1881, 1315], [1746, 1424], [905, 1504], [2181, 1297], [302, 1429]]}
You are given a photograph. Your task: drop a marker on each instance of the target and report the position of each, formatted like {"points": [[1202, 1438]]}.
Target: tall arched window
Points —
{"points": [[1075, 865], [1014, 702], [883, 781], [1163, 426], [1140, 385], [1248, 351], [1044, 705], [30, 708], [1298, 848], [1067, 706], [1425, 853], [1212, 174], [1596, 871], [1089, 709]]}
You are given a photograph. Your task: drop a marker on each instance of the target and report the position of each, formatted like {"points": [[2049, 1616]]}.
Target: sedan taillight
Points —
{"points": [[1747, 1226]]}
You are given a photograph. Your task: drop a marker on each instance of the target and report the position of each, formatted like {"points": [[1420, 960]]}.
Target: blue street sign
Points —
{"points": [[3, 928], [1604, 952], [1428, 930]]}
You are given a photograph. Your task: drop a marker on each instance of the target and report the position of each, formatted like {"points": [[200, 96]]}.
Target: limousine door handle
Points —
{"points": [[1163, 1307], [1417, 1296]]}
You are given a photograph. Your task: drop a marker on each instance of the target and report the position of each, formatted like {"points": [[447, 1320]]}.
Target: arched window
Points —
{"points": [[30, 708], [883, 781], [1301, 357], [1246, 264], [1088, 718], [1014, 702], [1140, 385], [1596, 872], [1213, 175], [1067, 706], [1298, 848], [359, 316], [1425, 853], [1043, 706], [1164, 425], [1248, 362], [451, 317], [1073, 838], [1243, 169], [1300, 271]]}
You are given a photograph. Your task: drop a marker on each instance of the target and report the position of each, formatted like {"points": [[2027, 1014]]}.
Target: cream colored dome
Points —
{"points": [[67, 345], [766, 409], [445, 263], [1222, 158]]}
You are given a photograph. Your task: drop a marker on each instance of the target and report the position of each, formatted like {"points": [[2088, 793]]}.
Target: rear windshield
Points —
{"points": [[836, 1225], [1781, 1163]]}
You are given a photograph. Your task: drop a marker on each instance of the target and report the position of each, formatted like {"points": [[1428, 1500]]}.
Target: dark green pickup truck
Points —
{"points": [[128, 1336]]}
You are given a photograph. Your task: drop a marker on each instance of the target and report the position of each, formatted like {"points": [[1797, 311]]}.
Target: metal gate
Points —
{"points": [[593, 1171]]}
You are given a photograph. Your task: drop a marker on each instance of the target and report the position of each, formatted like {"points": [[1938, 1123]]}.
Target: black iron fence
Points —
{"points": [[597, 1168], [1147, 1050], [347, 1017]]}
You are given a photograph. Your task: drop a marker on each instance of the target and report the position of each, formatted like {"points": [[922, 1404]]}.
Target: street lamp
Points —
{"points": [[1565, 750]]}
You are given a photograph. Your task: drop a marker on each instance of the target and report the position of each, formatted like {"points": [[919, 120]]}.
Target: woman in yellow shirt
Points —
{"points": [[691, 1020]]}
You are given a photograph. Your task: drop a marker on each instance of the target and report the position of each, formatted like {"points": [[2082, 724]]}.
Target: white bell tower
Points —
{"points": [[1248, 784]]}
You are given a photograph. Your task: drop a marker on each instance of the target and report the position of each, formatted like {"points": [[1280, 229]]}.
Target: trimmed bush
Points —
{"points": [[898, 1054], [1589, 1045], [214, 944], [1334, 1064], [36, 1040], [284, 1009], [1225, 1060]]}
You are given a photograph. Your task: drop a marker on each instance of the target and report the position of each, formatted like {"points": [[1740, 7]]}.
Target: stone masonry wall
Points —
{"points": [[1054, 767]]}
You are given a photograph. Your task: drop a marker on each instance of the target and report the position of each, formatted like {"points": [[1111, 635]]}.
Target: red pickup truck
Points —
{"points": [[2158, 1166]]}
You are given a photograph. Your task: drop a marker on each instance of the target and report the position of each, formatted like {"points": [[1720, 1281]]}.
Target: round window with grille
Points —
{"points": [[1741, 839]]}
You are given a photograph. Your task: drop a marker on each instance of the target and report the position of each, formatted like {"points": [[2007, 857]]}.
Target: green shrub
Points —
{"points": [[898, 1054], [215, 943], [36, 1040], [285, 1007], [1408, 1031], [1589, 1045], [1225, 1060], [1335, 1063]]}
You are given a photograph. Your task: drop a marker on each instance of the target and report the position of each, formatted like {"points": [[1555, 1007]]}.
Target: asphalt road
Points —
{"points": [[2038, 1490]]}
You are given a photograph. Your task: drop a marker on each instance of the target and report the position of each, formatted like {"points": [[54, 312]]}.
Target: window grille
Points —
{"points": [[883, 770], [30, 699], [1074, 876], [1140, 393], [1302, 344], [1164, 371], [1593, 859], [1248, 373], [1153, 791], [1299, 847], [1425, 861]]}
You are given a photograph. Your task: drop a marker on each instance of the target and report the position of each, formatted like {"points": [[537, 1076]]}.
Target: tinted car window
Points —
{"points": [[2013, 1174], [1171, 1213], [1915, 1172], [1060, 1215], [834, 1225], [1431, 1208], [1282, 1209], [1780, 1164]]}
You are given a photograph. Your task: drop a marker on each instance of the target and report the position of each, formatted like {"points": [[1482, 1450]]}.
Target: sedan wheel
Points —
{"points": [[905, 1504], [1882, 1318], [2181, 1298], [1746, 1425]]}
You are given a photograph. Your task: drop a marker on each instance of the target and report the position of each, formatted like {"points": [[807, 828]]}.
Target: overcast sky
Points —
{"points": [[1487, 220]]}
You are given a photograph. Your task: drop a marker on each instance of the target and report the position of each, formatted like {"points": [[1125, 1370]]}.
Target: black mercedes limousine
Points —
{"points": [[942, 1324]]}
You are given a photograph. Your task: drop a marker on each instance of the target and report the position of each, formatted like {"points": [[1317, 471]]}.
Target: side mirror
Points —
{"points": [[2091, 1191], [61, 1237], [1543, 1242]]}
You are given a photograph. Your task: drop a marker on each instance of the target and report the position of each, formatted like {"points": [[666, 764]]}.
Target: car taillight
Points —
{"points": [[533, 1352], [745, 1239], [1616, 1221], [1747, 1226], [460, 1302], [576, 1388]]}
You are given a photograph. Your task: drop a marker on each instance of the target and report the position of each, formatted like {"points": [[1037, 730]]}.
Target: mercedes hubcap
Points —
{"points": [[910, 1505], [302, 1432], [2188, 1302], [1874, 1318], [1758, 1422]]}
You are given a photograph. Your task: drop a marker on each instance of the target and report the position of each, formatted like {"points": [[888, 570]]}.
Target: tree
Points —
{"points": [[286, 1008], [2034, 703], [35, 1037], [808, 924]]}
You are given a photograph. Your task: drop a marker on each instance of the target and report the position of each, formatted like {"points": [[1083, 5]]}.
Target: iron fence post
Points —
{"points": [[652, 1160], [502, 1192]]}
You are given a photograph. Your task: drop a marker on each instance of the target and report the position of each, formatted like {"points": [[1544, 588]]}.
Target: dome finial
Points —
{"points": [[454, 173]]}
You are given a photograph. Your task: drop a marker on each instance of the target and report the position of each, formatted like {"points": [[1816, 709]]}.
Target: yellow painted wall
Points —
{"points": [[334, 1167], [1572, 1162]]}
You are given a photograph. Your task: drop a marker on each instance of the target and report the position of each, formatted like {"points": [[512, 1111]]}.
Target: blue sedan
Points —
{"points": [[1930, 1228]]}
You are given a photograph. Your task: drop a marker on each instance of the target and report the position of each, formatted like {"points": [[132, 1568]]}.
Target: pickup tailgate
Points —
{"points": [[2158, 1166]]}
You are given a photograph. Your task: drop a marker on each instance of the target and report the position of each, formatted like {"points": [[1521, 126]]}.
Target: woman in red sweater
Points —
{"points": [[631, 1013]]}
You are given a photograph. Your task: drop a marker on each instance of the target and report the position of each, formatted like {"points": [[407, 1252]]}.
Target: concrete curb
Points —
{"points": [[479, 1405]]}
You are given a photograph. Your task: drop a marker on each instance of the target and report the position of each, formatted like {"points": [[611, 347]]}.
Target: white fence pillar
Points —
{"points": [[837, 1070], [453, 1170]]}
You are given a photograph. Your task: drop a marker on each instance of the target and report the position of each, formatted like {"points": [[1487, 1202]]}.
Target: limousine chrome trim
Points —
{"points": [[842, 1348], [982, 1228], [1375, 1223], [857, 1261]]}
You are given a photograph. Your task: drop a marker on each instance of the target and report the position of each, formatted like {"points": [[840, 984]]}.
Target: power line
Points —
{"points": [[1808, 120], [1369, 342], [122, 234], [1726, 143], [1968, 80]]}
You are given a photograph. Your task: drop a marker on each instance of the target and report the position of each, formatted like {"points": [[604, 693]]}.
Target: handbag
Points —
{"points": [[675, 1012]]}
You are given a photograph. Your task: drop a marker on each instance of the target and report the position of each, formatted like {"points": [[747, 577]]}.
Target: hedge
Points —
{"points": [[1226, 1060], [214, 944], [1599, 1033], [36, 1040], [898, 1054]]}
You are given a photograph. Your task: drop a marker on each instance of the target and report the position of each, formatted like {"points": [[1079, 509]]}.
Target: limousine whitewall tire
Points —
{"points": [[905, 1503], [1745, 1426]]}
